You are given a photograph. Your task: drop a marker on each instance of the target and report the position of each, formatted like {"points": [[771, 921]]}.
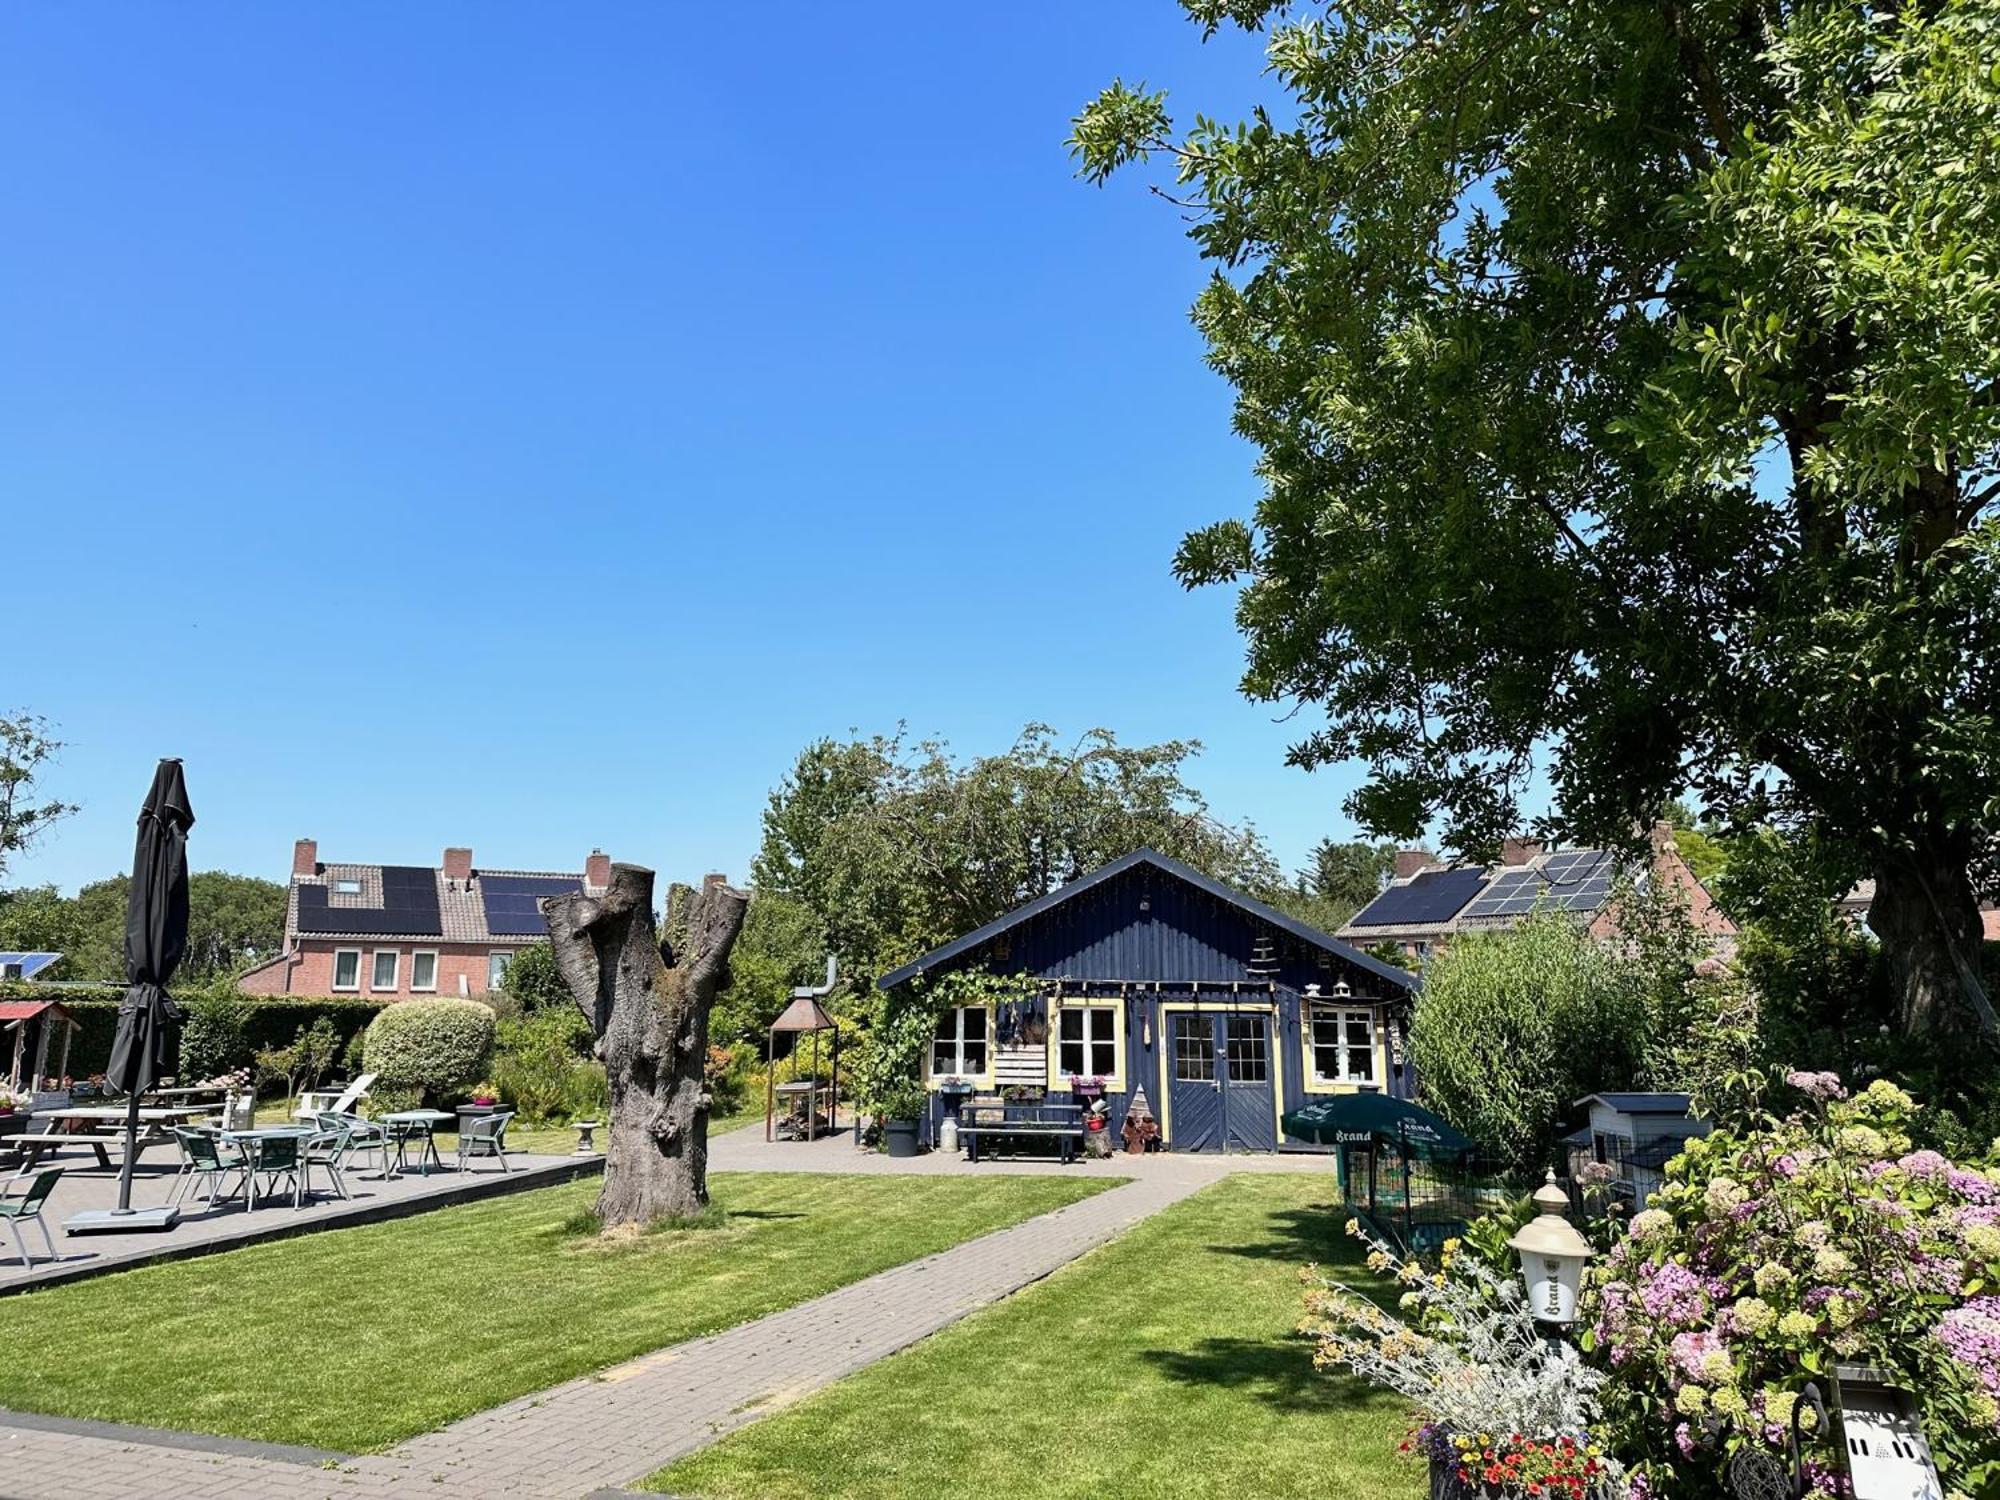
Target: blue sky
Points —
{"points": [[547, 418]]}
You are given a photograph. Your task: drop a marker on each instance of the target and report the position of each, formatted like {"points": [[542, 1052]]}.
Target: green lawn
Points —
{"points": [[1163, 1364], [355, 1339]]}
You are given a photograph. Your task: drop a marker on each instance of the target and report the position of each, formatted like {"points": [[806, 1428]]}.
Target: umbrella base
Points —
{"points": [[111, 1221]]}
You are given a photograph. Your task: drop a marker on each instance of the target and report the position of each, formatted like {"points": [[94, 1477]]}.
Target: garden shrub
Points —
{"points": [[1774, 1250], [213, 1035], [1516, 1026], [430, 1046], [535, 1059]]}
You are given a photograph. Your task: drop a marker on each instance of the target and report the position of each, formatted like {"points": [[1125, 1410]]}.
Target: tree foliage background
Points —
{"points": [[1627, 388]]}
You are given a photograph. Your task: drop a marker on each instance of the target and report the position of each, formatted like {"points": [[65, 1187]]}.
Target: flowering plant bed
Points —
{"points": [[1777, 1249], [1489, 1464]]}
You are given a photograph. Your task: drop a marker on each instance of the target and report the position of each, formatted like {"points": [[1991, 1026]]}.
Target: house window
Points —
{"points": [[346, 885], [1089, 1041], [347, 969], [1343, 1045], [496, 969], [383, 975], [423, 971], [958, 1048], [1194, 1049]]}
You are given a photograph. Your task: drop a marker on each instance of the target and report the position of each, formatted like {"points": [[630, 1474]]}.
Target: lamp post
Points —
{"points": [[1552, 1258]]}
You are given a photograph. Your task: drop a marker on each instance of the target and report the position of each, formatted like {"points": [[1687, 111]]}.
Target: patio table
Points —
{"points": [[245, 1142], [410, 1124]]}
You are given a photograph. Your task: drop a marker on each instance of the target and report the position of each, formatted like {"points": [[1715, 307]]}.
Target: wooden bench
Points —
{"points": [[34, 1145], [980, 1119]]}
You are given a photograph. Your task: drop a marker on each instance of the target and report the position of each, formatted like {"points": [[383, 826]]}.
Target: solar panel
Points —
{"points": [[409, 906], [1571, 880], [512, 902], [1434, 896]]}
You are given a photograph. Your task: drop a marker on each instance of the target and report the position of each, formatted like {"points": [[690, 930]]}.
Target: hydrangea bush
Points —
{"points": [[1779, 1248]]}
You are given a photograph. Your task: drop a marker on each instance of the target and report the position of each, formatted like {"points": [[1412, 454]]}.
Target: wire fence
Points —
{"points": [[1417, 1201]]}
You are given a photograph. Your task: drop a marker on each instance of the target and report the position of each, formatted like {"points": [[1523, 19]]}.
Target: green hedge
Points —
{"points": [[272, 1022]]}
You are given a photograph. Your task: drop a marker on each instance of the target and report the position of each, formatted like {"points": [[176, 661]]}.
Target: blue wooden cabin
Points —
{"points": [[1148, 976]]}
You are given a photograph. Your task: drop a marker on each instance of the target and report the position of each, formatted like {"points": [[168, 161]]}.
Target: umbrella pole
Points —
{"points": [[131, 1150]]}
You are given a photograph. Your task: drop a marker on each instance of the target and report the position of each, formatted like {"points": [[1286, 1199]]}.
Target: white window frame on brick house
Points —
{"points": [[353, 983], [497, 963], [1337, 1019], [375, 984], [429, 987]]}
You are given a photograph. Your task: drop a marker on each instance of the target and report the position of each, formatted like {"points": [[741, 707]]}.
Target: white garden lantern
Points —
{"points": [[1552, 1257]]}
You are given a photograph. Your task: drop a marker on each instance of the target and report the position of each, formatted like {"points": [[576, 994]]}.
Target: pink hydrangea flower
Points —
{"points": [[1820, 1086]]}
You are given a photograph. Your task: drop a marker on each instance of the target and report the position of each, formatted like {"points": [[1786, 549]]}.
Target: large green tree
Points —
{"points": [[233, 922], [25, 750], [895, 847], [1627, 382]]}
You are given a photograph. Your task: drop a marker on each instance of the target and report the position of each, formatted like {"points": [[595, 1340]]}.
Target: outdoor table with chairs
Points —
{"points": [[406, 1126]]}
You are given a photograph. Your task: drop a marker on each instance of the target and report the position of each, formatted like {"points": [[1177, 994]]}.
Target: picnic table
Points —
{"points": [[407, 1125], [71, 1129], [982, 1119]]}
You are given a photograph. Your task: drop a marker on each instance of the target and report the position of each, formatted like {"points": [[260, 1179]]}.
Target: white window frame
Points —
{"points": [[416, 957], [505, 958], [354, 985], [958, 1041], [1338, 1018], [1100, 1028], [345, 885], [375, 957]]}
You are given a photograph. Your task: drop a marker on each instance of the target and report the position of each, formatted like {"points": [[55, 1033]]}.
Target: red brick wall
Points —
{"points": [[309, 971]]}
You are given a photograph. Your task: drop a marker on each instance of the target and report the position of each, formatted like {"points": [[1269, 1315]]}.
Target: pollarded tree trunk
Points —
{"points": [[649, 1007]]}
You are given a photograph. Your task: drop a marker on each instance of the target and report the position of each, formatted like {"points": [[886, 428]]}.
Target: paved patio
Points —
{"points": [[203, 1229]]}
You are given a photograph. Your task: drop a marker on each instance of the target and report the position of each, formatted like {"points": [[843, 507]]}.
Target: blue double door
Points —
{"points": [[1221, 1082]]}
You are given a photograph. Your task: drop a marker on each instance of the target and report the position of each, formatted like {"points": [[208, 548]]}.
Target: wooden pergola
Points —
{"points": [[19, 1016]]}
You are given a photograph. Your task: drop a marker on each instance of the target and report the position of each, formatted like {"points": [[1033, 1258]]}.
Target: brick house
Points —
{"points": [[402, 931], [1428, 902]]}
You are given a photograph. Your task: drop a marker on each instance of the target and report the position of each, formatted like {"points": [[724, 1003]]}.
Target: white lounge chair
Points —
{"points": [[316, 1102]]}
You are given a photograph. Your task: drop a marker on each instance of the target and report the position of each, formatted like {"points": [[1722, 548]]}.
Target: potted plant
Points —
{"points": [[901, 1107], [11, 1101], [485, 1095]]}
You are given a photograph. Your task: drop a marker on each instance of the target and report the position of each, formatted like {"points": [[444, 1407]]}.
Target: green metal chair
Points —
{"points": [[28, 1210], [357, 1137], [279, 1157], [484, 1136], [202, 1160], [324, 1151]]}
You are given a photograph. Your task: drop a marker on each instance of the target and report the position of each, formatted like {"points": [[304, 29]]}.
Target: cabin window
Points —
{"points": [[958, 1048], [1343, 1045], [1089, 1041], [347, 969]]}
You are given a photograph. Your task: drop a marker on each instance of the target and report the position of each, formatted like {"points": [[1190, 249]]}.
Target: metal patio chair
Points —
{"points": [[324, 1151], [203, 1159], [357, 1137], [484, 1136], [28, 1210], [279, 1157]]}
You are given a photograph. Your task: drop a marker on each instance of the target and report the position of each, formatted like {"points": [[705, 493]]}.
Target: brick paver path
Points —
{"points": [[616, 1426]]}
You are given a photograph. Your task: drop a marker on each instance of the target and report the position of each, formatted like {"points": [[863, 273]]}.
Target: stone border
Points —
{"points": [[468, 1190], [168, 1437]]}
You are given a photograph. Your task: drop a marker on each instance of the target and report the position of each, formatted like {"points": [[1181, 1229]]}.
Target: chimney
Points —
{"points": [[712, 878], [458, 864], [1662, 838], [1409, 861], [305, 859], [597, 870], [1519, 851]]}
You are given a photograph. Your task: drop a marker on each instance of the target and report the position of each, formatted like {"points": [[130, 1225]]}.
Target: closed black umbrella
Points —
{"points": [[156, 928]]}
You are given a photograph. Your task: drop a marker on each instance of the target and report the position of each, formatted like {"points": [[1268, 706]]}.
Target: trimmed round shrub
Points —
{"points": [[430, 1046]]}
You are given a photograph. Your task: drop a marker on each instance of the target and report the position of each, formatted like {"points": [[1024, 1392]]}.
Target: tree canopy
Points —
{"points": [[25, 748], [1627, 388], [233, 922], [897, 846]]}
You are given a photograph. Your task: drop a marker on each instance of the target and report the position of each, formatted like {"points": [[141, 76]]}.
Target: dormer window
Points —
{"points": [[346, 885]]}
